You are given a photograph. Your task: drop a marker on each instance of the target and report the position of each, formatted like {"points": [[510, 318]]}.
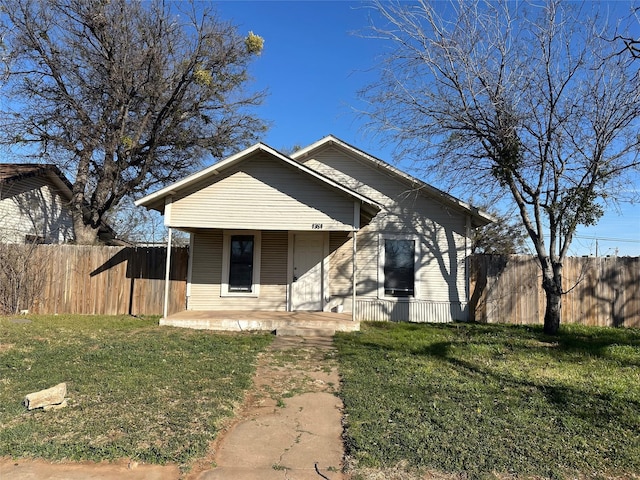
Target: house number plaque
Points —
{"points": [[316, 226]]}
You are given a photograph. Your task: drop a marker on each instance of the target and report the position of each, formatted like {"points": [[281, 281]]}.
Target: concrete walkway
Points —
{"points": [[289, 428]]}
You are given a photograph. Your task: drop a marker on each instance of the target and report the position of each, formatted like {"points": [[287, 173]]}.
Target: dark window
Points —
{"points": [[241, 263], [399, 268], [34, 240]]}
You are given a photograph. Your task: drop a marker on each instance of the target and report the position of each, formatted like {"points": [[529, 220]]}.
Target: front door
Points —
{"points": [[306, 286]]}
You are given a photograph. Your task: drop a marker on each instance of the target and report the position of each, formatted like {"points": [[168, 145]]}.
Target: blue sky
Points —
{"points": [[313, 64]]}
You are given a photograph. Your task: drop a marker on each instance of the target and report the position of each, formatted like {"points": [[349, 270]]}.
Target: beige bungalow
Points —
{"points": [[322, 230]]}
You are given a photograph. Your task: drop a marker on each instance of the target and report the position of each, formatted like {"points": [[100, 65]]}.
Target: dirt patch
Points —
{"points": [[296, 365]]}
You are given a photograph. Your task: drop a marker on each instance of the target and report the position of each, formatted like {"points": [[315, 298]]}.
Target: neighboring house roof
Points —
{"points": [[156, 200], [479, 217], [14, 172]]}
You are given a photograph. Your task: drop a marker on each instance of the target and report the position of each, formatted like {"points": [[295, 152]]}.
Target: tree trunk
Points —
{"points": [[85, 234], [552, 285], [552, 312]]}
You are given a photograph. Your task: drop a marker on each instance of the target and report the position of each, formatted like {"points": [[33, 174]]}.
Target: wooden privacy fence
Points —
{"points": [[600, 291], [51, 279], [105, 280]]}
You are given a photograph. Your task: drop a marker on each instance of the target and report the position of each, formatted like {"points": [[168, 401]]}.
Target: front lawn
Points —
{"points": [[136, 390], [493, 400]]}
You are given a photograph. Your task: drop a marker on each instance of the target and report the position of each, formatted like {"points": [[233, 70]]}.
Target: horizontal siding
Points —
{"points": [[207, 274], [442, 286], [263, 194], [413, 311], [273, 266], [441, 230], [354, 174], [33, 206], [367, 261], [442, 277], [206, 270], [340, 264]]}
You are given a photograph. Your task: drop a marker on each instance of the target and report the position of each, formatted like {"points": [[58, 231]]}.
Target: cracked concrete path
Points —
{"points": [[290, 425]]}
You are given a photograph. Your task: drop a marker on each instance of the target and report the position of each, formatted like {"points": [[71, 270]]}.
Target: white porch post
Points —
{"points": [[167, 276], [355, 282], [467, 265]]}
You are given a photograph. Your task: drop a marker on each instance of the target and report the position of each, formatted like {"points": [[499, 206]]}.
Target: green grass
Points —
{"points": [[492, 400], [136, 390]]}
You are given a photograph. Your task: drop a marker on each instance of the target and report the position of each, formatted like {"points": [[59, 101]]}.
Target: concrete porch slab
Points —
{"points": [[239, 321]]}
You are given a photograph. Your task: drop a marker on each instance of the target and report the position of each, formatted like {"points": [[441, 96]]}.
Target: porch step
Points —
{"points": [[285, 323], [292, 331]]}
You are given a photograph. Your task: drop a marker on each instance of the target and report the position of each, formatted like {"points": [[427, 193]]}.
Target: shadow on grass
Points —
{"points": [[573, 343], [572, 339], [496, 390], [598, 408]]}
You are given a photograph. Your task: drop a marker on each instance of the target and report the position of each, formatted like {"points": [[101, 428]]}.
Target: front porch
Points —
{"points": [[283, 323]]}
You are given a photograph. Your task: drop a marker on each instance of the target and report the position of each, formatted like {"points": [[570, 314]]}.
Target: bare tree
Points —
{"points": [[631, 44], [505, 236], [123, 95], [142, 227], [516, 99], [137, 225]]}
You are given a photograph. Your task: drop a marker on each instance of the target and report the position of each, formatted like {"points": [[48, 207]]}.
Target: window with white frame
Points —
{"points": [[398, 260], [241, 263]]}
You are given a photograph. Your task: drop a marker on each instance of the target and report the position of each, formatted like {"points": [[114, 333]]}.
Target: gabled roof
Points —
{"points": [[480, 218], [15, 172], [156, 200]]}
